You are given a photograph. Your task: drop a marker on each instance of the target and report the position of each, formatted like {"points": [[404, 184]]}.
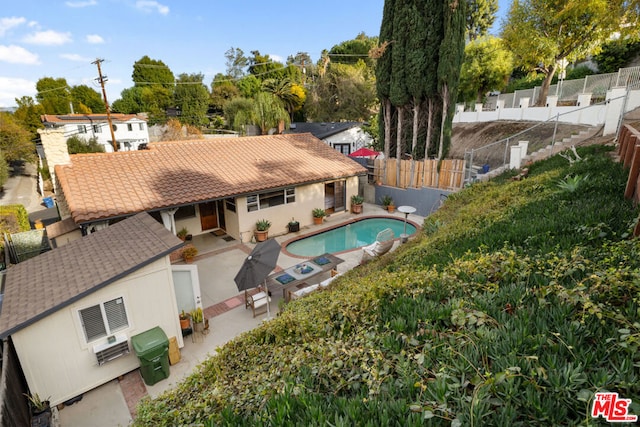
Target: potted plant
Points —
{"points": [[189, 253], [293, 226], [387, 202], [184, 321], [262, 230], [198, 319], [318, 215], [356, 203], [40, 410], [182, 234]]}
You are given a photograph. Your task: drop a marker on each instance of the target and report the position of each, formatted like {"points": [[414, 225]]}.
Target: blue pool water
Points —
{"points": [[350, 236]]}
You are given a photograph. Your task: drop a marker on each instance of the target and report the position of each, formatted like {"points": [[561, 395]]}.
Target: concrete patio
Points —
{"points": [[218, 261]]}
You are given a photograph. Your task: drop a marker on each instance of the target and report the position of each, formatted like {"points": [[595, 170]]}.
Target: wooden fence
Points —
{"points": [[629, 156], [420, 173]]}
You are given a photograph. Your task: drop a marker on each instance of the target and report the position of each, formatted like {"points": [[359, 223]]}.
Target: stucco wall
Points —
{"points": [[56, 359]]}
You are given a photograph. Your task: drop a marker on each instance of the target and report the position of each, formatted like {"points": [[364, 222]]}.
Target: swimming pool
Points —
{"points": [[349, 236]]}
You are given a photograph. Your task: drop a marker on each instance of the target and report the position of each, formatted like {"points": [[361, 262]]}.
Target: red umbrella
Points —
{"points": [[364, 152]]}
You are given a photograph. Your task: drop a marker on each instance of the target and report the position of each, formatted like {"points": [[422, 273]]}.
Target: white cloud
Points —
{"points": [[81, 3], [75, 57], [8, 23], [12, 88], [48, 38], [18, 55], [94, 39], [150, 6]]}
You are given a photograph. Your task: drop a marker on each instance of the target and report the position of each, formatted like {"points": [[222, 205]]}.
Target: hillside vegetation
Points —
{"points": [[517, 303]]}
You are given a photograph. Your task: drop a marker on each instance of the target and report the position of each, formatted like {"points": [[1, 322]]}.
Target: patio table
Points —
{"points": [[294, 276]]}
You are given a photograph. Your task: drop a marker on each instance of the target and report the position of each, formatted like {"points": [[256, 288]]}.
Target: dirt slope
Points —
{"points": [[475, 135]]}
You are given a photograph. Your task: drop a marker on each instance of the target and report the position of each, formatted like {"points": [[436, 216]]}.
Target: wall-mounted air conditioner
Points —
{"points": [[111, 350]]}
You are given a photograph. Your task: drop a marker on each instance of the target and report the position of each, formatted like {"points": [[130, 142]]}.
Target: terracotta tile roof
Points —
{"points": [[62, 119], [98, 186], [44, 284]]}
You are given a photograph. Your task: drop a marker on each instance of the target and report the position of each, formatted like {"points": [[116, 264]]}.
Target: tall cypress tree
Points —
{"points": [[416, 37], [451, 57], [383, 74]]}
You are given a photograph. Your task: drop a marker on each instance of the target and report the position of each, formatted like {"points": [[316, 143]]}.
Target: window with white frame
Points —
{"points": [[97, 129], [230, 204], [129, 127], [272, 198], [82, 129], [103, 319], [141, 125]]}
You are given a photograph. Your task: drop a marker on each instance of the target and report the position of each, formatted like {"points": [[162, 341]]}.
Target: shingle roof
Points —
{"points": [[322, 130], [61, 119], [43, 285], [105, 185]]}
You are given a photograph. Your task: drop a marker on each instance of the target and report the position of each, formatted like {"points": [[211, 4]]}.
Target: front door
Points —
{"points": [[187, 286], [208, 216]]}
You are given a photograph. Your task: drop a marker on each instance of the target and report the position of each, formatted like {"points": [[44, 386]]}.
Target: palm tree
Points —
{"points": [[283, 89]]}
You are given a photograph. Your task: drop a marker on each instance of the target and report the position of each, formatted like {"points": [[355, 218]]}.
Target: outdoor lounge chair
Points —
{"points": [[382, 245], [256, 301]]}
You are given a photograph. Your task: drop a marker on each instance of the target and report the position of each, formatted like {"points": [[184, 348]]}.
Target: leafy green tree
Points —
{"points": [[192, 97], [15, 140], [28, 115], [263, 67], [237, 106], [147, 71], [303, 61], [541, 33], [249, 86], [616, 54], [87, 100], [77, 145], [223, 90], [487, 66], [53, 95], [4, 170], [267, 112], [350, 51], [481, 14], [345, 92], [236, 62]]}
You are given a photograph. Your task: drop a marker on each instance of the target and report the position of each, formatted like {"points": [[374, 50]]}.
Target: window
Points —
{"points": [[185, 212], [230, 204], [343, 148], [103, 319], [129, 127], [141, 125], [273, 198], [82, 129], [97, 129]]}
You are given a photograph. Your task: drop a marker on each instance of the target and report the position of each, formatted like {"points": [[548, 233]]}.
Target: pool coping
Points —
{"points": [[286, 243]]}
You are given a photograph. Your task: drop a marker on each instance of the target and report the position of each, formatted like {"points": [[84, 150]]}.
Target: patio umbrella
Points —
{"points": [[364, 152], [257, 266]]}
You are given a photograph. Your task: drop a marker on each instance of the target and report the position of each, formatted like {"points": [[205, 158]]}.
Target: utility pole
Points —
{"points": [[101, 79]]}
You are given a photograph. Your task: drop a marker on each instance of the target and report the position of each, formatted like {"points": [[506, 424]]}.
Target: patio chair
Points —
{"points": [[382, 245], [258, 300]]}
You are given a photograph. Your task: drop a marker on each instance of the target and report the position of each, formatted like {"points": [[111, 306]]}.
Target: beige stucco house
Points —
{"points": [[61, 307], [225, 184]]}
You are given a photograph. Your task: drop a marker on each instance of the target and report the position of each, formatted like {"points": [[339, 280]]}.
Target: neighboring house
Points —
{"points": [[130, 130], [346, 137], [61, 307], [206, 185]]}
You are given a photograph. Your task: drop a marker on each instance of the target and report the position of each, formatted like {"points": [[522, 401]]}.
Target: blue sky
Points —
{"points": [[47, 38]]}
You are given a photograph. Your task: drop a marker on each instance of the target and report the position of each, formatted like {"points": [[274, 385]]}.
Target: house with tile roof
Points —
{"points": [[130, 130], [71, 312], [346, 137], [223, 184]]}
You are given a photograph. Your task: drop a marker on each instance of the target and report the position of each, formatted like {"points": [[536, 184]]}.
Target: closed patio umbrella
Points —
{"points": [[257, 266]]}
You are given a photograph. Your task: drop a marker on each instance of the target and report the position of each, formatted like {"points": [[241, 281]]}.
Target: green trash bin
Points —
{"points": [[152, 348]]}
